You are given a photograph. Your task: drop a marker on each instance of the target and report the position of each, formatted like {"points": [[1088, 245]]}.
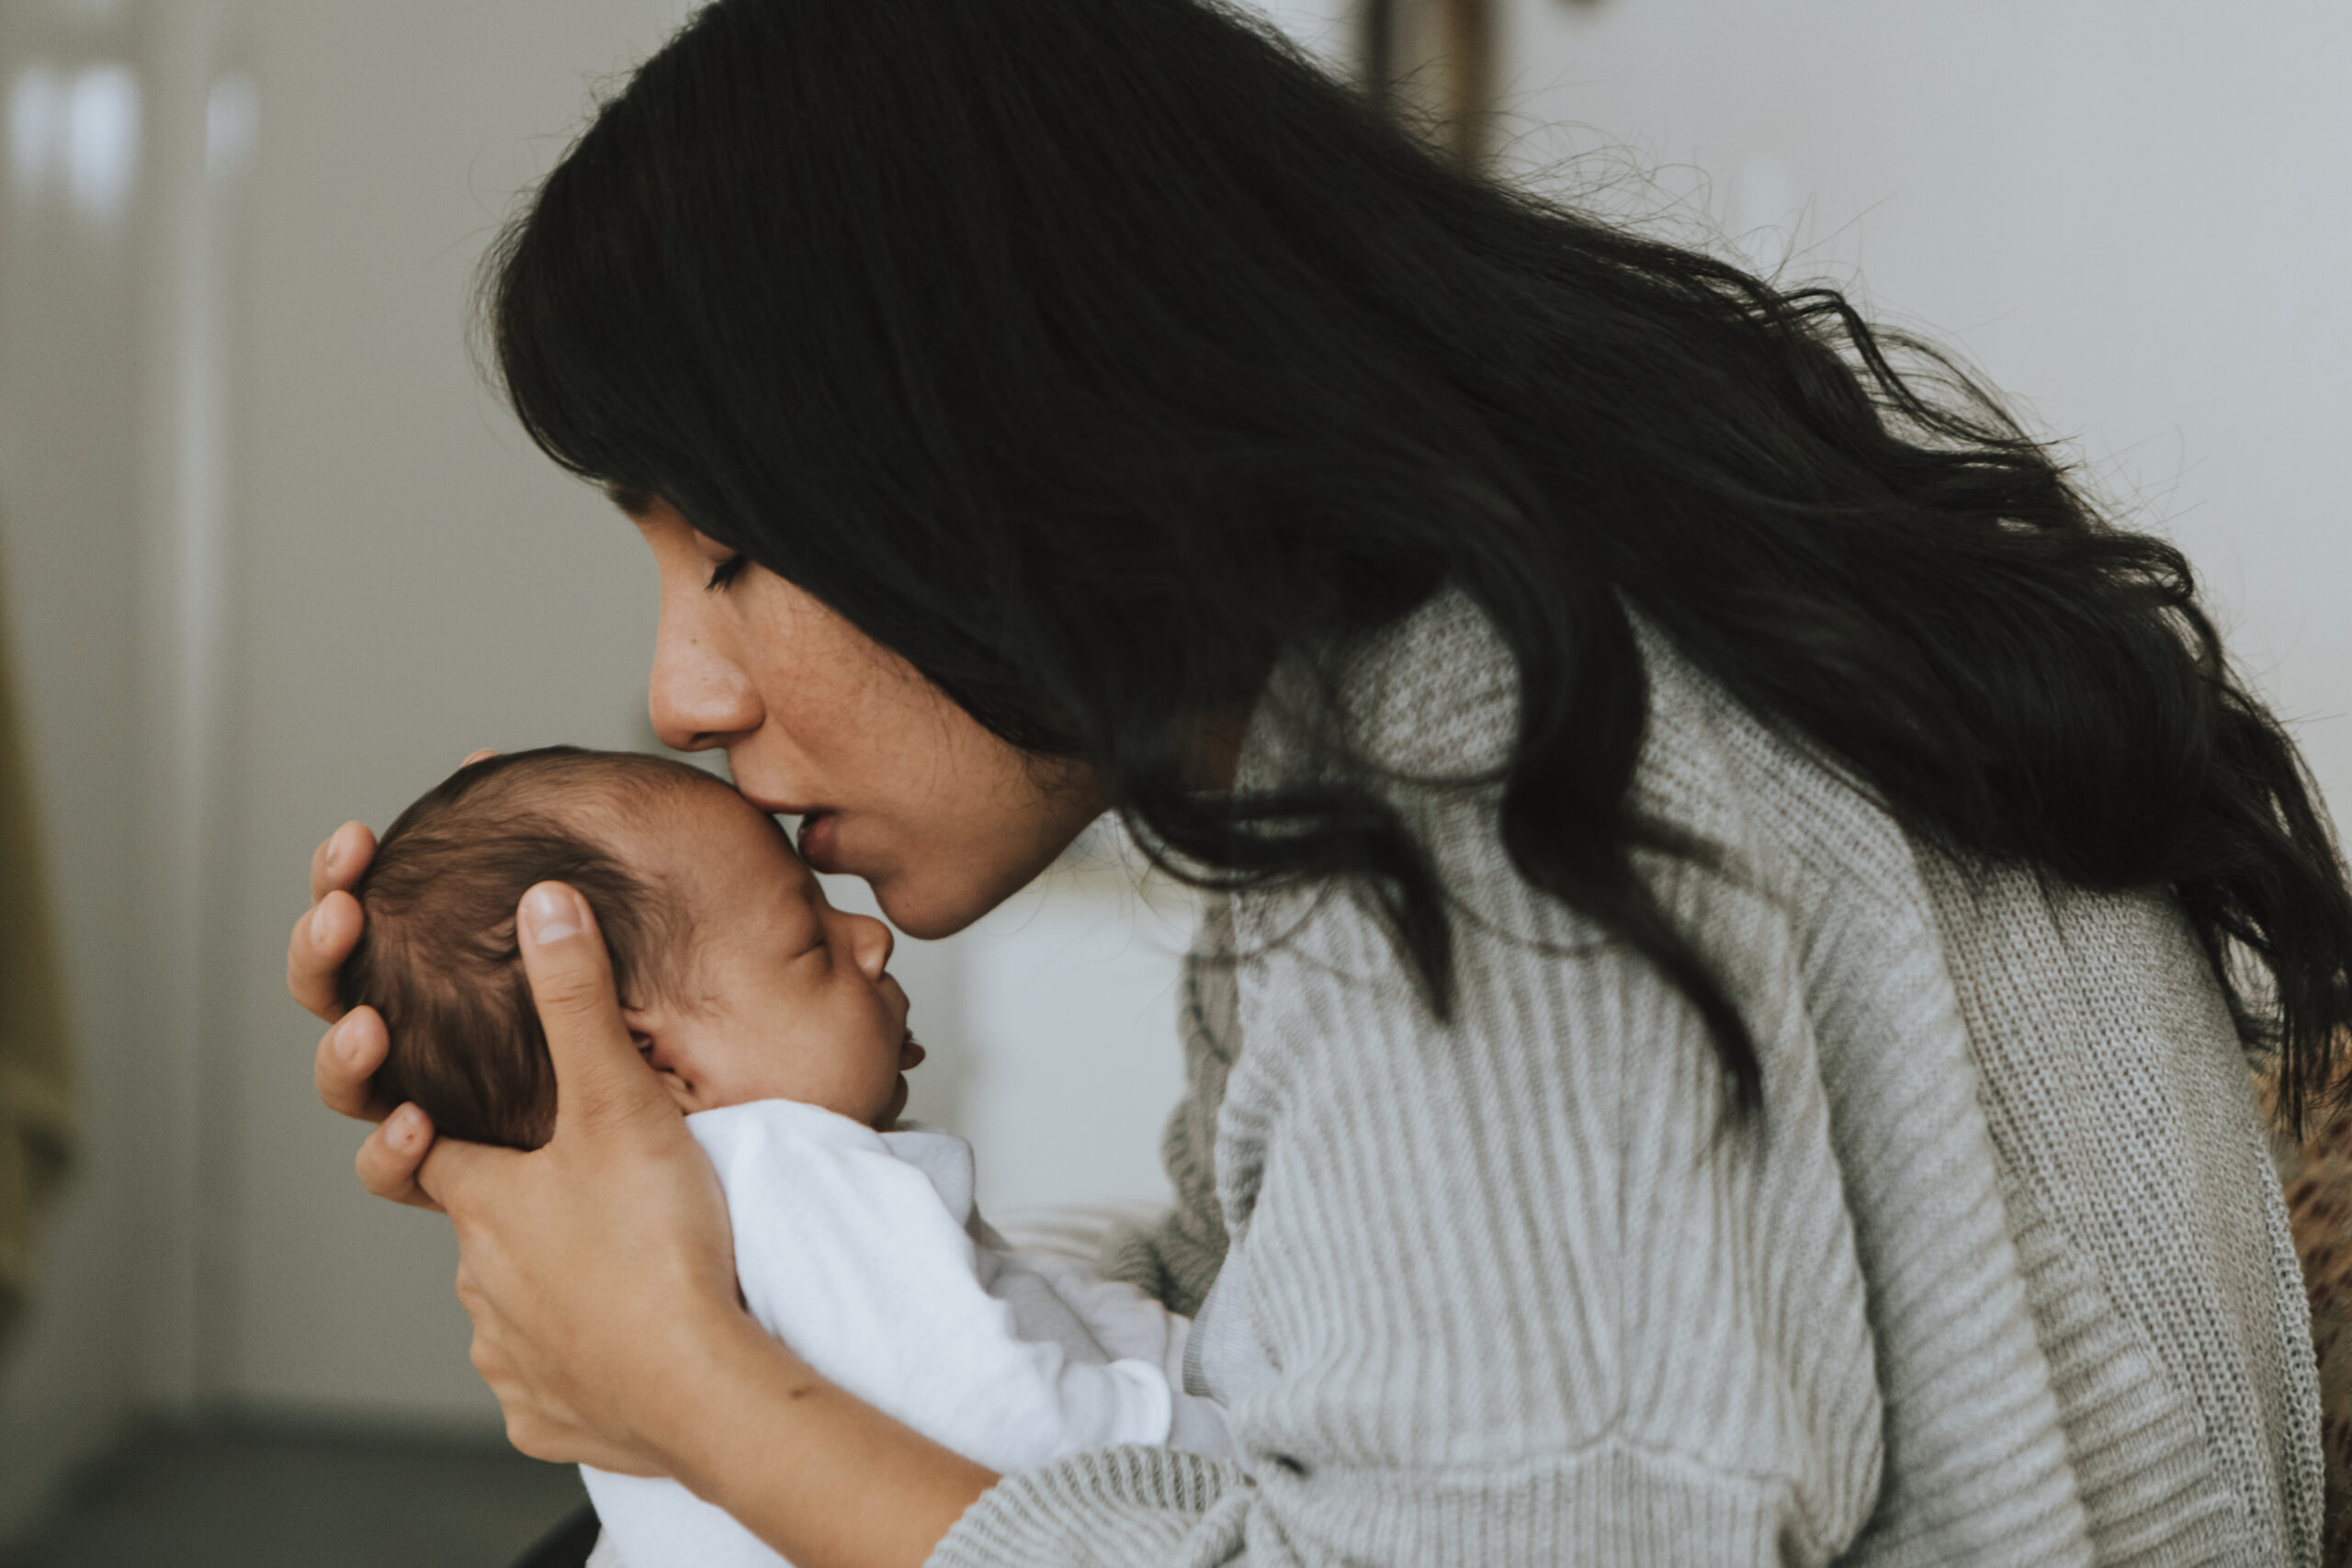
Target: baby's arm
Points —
{"points": [[1132, 1326]]}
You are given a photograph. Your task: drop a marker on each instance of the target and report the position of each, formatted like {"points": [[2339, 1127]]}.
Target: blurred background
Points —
{"points": [[273, 557]]}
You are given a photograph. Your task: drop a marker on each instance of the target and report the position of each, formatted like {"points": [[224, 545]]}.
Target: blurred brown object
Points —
{"points": [[1432, 63], [2316, 1177], [36, 1119]]}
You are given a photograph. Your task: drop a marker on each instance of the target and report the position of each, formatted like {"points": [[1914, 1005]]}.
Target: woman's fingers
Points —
{"points": [[598, 1072], [328, 931], [395, 1152], [534, 1428], [346, 1065], [339, 858], [322, 938]]}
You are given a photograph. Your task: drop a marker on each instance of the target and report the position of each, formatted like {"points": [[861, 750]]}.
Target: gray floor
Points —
{"points": [[279, 1499]]}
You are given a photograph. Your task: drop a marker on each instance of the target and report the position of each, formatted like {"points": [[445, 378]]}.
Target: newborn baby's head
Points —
{"points": [[738, 980]]}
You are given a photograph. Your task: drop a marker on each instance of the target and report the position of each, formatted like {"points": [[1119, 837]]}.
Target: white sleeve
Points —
{"points": [[1130, 1325]]}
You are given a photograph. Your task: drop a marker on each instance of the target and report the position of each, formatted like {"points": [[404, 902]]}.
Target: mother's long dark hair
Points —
{"points": [[1089, 352]]}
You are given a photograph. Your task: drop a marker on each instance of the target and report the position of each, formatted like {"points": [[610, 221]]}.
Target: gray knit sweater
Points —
{"points": [[2002, 1276]]}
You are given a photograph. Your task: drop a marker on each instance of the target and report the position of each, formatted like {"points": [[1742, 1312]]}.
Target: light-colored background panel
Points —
{"points": [[2121, 211], [69, 545], [1063, 1053], [413, 581], [399, 578]]}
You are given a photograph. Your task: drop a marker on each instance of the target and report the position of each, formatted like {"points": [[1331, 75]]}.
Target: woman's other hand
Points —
{"points": [[353, 1047], [600, 1268], [353, 1044], [329, 928]]}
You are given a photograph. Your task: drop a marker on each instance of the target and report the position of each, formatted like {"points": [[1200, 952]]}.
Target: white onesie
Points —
{"points": [[862, 1250]]}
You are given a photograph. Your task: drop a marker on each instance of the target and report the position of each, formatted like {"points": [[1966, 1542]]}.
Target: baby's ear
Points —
{"points": [[648, 1045], [651, 1049], [680, 1094]]}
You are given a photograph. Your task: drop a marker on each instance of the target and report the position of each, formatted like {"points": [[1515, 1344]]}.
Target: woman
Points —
{"points": [[1738, 902]]}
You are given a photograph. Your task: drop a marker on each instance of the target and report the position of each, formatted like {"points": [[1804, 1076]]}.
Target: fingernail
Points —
{"points": [[553, 914], [401, 1131], [319, 922], [347, 1041]]}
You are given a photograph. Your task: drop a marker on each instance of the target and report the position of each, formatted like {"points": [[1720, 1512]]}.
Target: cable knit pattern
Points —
{"points": [[2000, 1277]]}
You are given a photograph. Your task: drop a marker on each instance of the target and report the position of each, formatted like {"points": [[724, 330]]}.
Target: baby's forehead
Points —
{"points": [[699, 828]]}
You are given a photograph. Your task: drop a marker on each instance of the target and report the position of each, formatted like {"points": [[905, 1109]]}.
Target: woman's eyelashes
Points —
{"points": [[726, 572]]}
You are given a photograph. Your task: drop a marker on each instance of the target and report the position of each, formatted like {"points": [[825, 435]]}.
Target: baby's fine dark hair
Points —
{"points": [[437, 956]]}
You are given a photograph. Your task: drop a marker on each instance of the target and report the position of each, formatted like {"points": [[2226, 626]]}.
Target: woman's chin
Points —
{"points": [[925, 908]]}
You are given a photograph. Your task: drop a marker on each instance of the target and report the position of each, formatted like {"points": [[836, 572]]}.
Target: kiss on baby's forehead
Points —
{"points": [[739, 980]]}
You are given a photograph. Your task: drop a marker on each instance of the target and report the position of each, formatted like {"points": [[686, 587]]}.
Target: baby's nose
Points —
{"points": [[874, 945]]}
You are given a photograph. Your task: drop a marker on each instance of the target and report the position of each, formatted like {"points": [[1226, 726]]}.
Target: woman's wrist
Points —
{"points": [[715, 1367], [825, 1478]]}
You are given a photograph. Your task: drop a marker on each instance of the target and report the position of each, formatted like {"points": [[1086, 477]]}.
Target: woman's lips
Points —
{"points": [[911, 1054], [819, 831]]}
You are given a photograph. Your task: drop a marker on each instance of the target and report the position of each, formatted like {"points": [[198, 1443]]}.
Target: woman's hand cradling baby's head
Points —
{"points": [[629, 1241], [353, 1046], [356, 1044]]}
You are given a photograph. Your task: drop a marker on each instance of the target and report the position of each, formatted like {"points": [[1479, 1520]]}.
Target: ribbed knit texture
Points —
{"points": [[2000, 1277]]}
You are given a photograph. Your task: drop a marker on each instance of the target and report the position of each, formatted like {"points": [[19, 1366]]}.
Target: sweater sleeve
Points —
{"points": [[1525, 1292]]}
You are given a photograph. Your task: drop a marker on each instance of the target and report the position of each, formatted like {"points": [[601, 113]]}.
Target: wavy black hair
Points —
{"points": [[1091, 354]]}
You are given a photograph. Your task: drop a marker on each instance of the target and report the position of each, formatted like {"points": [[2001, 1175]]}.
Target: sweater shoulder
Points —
{"points": [[1433, 703]]}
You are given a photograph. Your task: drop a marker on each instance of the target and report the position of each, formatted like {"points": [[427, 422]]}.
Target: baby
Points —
{"points": [[774, 1022]]}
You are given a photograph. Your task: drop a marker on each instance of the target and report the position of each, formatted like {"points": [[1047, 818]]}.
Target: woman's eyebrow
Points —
{"points": [[634, 500]]}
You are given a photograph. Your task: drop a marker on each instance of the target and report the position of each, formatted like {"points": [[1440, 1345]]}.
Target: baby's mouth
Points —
{"points": [[911, 1053]]}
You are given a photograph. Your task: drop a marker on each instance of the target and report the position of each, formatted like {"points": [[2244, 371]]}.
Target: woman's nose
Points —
{"points": [[871, 944], [698, 697]]}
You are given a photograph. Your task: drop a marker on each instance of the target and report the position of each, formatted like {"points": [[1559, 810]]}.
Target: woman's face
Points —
{"points": [[894, 782]]}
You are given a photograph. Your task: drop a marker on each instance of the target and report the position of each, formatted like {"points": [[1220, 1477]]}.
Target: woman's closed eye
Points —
{"points": [[726, 572]]}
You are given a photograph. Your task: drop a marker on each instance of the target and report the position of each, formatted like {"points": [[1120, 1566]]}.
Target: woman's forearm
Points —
{"points": [[820, 1476]]}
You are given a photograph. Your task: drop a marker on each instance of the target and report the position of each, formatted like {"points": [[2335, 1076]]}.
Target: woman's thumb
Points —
{"points": [[596, 1068]]}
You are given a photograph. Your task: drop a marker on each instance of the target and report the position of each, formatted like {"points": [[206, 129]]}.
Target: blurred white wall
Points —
{"points": [[409, 580], [70, 282], [1327, 27], [2132, 214]]}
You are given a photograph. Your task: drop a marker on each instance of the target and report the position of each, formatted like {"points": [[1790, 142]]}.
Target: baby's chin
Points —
{"points": [[893, 1102], [896, 1107]]}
